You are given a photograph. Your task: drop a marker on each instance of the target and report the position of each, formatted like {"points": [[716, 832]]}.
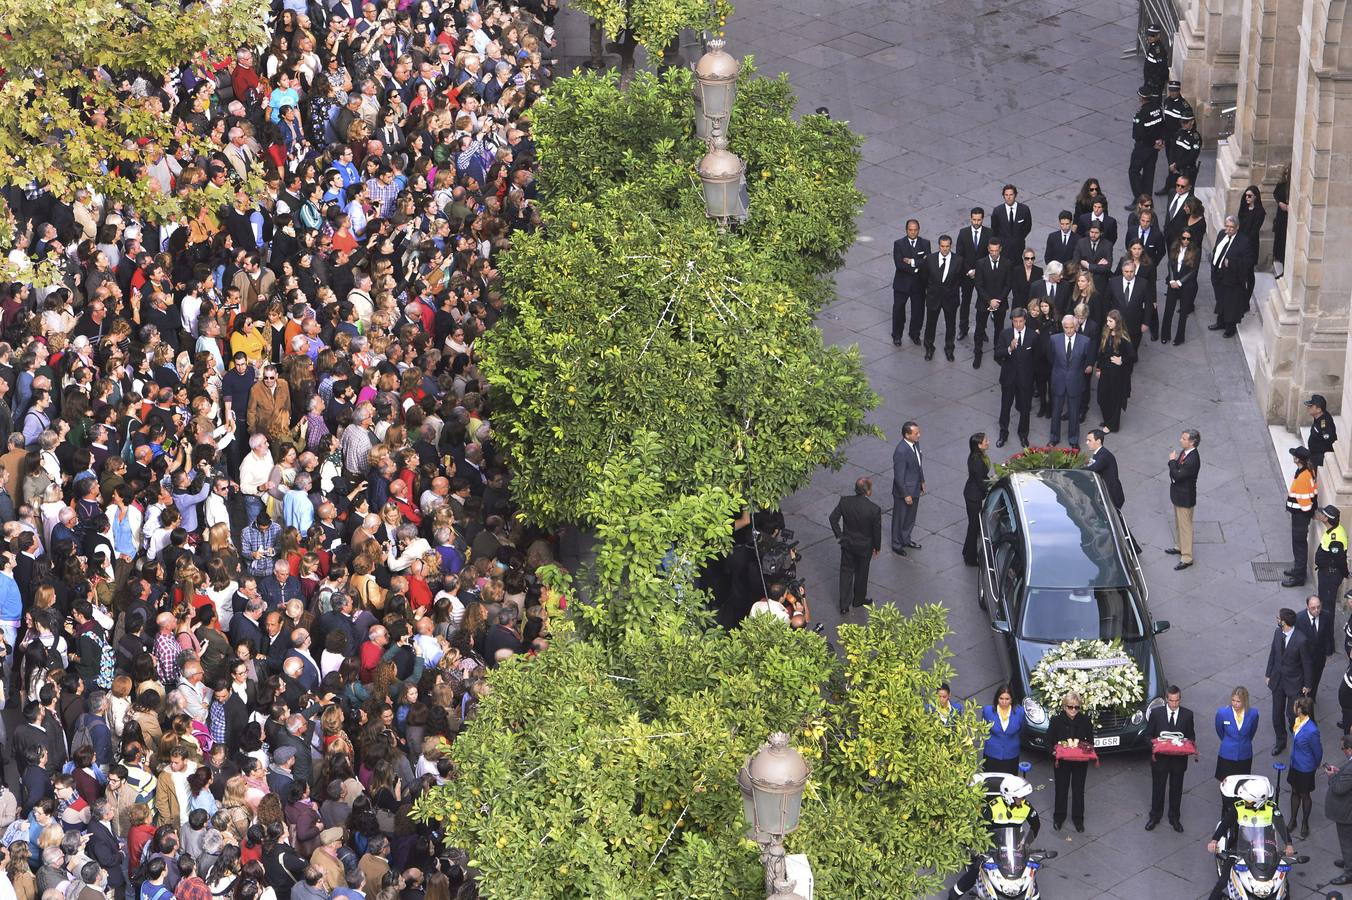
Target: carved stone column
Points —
{"points": [[1206, 58], [1260, 148], [1305, 319]]}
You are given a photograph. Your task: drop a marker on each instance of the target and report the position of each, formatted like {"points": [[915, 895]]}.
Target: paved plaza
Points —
{"points": [[953, 100]]}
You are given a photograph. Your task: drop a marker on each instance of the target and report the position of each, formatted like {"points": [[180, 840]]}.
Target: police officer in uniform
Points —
{"points": [[1183, 152], [1300, 498], [1323, 433], [1156, 59], [1147, 136], [1330, 559], [1176, 112], [1254, 807], [1009, 806]]}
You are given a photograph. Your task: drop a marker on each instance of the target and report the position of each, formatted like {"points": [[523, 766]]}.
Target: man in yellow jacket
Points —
{"points": [[1300, 499]]}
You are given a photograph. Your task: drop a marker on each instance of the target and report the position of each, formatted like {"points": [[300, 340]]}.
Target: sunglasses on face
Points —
{"points": [[1072, 706]]}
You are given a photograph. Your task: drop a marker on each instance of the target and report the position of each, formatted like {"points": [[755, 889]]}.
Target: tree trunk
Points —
{"points": [[628, 49]]}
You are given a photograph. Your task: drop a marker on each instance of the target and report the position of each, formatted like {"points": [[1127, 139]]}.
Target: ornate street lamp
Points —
{"points": [[716, 78], [721, 171], [772, 783]]}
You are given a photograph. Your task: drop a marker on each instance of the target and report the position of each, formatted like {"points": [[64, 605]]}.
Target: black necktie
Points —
{"points": [[1172, 721], [1314, 623]]}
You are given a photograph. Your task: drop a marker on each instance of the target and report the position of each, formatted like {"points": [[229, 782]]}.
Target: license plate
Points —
{"points": [[1114, 741]]}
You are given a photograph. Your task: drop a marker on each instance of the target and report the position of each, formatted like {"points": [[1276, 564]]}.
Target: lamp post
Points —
{"points": [[772, 783], [721, 171]]}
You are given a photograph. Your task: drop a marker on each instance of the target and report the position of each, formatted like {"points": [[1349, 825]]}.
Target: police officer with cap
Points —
{"points": [[1147, 135], [1330, 558], [1176, 111], [1323, 432], [1183, 152], [1156, 58]]}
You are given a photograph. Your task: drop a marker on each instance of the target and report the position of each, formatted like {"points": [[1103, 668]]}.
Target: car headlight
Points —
{"points": [[1034, 711], [1139, 716]]}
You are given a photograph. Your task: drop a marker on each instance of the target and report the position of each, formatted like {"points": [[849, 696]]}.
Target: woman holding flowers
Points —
{"points": [[1069, 728]]}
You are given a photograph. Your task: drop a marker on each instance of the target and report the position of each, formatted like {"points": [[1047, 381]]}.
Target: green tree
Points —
{"points": [[66, 107], [630, 313], [609, 770], [654, 25]]}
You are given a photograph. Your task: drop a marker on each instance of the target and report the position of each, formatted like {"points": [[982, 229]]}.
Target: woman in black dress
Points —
{"points": [[1026, 274], [1281, 195], [1042, 323], [1251, 217], [973, 492], [1070, 726], [1116, 353], [1180, 282]]}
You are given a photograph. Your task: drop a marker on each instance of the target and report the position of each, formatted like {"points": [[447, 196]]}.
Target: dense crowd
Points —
{"points": [[258, 546]]}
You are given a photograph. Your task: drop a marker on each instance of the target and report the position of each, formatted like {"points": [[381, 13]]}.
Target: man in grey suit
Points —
{"points": [[1072, 358], [860, 540], [908, 483], [1338, 805], [1289, 674]]}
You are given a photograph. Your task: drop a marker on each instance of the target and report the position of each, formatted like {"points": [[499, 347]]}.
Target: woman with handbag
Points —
{"points": [[1068, 728], [1001, 750]]}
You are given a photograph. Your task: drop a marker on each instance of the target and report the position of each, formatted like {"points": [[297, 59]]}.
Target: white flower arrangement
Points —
{"points": [[1103, 676]]}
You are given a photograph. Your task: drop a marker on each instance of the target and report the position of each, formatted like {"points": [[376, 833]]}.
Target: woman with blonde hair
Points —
{"points": [[20, 872], [1069, 728]]}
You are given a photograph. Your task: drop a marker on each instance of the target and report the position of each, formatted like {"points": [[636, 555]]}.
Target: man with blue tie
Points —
{"points": [[908, 483], [1072, 357]]}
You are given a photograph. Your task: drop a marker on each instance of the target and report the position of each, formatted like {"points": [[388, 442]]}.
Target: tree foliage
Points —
{"points": [[631, 313], [654, 25], [66, 107], [609, 770]]}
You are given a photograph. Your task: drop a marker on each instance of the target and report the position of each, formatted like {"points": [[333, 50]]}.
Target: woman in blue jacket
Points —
{"points": [[1001, 749], [1236, 725], [1307, 752]]}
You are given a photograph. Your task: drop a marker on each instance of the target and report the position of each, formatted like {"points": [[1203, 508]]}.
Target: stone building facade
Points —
{"points": [[1291, 72]]}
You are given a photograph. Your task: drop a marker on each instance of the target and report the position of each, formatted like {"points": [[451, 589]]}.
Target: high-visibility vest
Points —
{"points": [[1247, 815], [1335, 534], [1303, 492], [1004, 814]]}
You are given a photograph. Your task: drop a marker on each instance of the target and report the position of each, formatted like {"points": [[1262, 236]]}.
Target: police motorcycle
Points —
{"points": [[1009, 866], [1258, 867]]}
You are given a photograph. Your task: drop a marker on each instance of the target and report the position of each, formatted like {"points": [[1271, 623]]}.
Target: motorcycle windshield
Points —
{"points": [[1257, 846], [1011, 849]]}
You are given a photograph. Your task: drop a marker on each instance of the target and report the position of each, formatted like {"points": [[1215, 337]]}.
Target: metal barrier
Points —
{"points": [[1154, 12]]}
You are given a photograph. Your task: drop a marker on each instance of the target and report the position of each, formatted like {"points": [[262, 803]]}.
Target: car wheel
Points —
{"points": [[981, 598]]}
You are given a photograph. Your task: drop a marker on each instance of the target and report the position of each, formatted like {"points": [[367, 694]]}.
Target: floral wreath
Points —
{"points": [[1033, 458], [1099, 671]]}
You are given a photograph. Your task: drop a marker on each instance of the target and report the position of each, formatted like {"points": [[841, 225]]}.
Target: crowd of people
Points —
{"points": [[258, 545]]}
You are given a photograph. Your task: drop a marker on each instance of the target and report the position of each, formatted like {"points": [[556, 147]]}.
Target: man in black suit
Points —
{"points": [[1174, 216], [1183, 469], [1102, 461], [1168, 770], [1316, 623], [105, 848], [1133, 298], [1095, 256], [1012, 221], [1147, 230], [992, 281], [1061, 243], [972, 241], [1232, 260], [943, 274], [908, 282], [1051, 288], [1288, 675], [1098, 213], [1016, 352], [860, 537], [245, 625]]}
